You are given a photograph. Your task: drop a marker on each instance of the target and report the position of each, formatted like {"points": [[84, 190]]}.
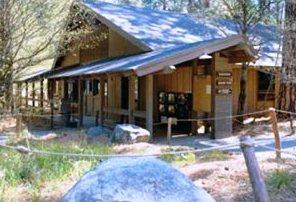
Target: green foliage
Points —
{"points": [[179, 159], [215, 155], [280, 179], [35, 170]]}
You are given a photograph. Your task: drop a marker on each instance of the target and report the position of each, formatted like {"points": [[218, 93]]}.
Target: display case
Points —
{"points": [[175, 105]]}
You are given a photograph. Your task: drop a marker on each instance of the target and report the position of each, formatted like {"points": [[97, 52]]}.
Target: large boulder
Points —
{"points": [[128, 134], [135, 180]]}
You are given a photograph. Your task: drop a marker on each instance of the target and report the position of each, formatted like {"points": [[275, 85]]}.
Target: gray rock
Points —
{"points": [[98, 131], [127, 134], [135, 180]]}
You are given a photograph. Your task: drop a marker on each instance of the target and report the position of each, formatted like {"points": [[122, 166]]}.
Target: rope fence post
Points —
{"points": [[18, 125], [169, 131], [275, 130], [257, 181]]}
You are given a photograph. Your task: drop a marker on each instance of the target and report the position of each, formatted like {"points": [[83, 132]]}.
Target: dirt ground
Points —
{"points": [[225, 180]]}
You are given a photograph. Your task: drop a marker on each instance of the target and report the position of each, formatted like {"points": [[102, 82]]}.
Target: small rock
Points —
{"points": [[128, 134], [49, 136], [226, 168]]}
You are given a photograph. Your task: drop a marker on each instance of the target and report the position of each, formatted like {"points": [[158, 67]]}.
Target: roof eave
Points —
{"points": [[193, 53]]}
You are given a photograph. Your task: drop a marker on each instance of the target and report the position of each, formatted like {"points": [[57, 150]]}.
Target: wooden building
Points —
{"points": [[149, 65]]}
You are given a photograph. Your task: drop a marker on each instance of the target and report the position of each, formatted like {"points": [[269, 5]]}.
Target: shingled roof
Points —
{"points": [[161, 32], [153, 29]]}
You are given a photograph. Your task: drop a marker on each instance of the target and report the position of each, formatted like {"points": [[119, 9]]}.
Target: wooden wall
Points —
{"points": [[179, 81], [202, 93], [252, 103], [119, 46], [114, 45], [71, 58]]}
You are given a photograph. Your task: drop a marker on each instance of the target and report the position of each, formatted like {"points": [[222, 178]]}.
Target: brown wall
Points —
{"points": [[119, 46], [252, 103], [179, 81], [112, 46]]}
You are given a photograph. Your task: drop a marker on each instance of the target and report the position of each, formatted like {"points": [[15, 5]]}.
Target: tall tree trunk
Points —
{"points": [[243, 87], [288, 98]]}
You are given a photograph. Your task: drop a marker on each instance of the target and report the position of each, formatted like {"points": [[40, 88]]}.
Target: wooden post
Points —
{"points": [[19, 96], [102, 100], [131, 99], [275, 130], [17, 108], [27, 94], [18, 125], [169, 131], [41, 95], [50, 95], [257, 181], [149, 103], [66, 89], [33, 94], [291, 124], [80, 102]]}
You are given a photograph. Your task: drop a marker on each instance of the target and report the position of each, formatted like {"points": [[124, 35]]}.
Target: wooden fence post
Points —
{"points": [[18, 125], [275, 130], [257, 181], [169, 131]]}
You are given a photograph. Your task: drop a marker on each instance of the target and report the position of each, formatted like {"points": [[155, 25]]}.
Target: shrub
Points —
{"points": [[280, 179], [214, 155], [33, 171]]}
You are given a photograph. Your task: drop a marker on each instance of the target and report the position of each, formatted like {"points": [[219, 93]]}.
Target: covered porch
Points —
{"points": [[148, 88]]}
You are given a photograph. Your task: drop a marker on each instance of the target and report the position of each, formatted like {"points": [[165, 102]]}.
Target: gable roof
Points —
{"points": [[156, 29], [151, 62], [153, 29]]}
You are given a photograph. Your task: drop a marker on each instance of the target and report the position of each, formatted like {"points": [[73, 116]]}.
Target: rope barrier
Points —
{"points": [[285, 112], [161, 123], [217, 118], [26, 150], [278, 150]]}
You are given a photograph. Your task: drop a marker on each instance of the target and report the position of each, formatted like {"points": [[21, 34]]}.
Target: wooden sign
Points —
{"points": [[224, 74], [225, 91], [224, 83]]}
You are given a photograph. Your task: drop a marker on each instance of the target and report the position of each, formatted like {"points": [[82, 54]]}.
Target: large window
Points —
{"points": [[265, 86]]}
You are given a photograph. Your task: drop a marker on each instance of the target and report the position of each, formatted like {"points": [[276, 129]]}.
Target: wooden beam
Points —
{"points": [[27, 94], [102, 100], [149, 103], [131, 99], [19, 96], [41, 95], [80, 102], [117, 111], [33, 93], [140, 114], [50, 95], [66, 89]]}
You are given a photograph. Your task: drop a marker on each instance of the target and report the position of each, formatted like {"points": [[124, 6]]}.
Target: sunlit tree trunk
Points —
{"points": [[287, 88]]}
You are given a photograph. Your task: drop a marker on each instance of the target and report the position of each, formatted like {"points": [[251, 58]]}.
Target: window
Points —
{"points": [[265, 86]]}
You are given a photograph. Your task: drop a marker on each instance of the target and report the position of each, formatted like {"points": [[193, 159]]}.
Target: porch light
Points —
{"points": [[169, 69], [205, 56]]}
